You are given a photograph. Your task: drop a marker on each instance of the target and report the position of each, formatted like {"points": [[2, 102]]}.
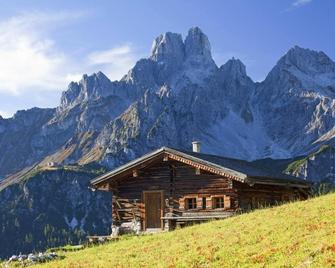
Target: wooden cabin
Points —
{"points": [[170, 187]]}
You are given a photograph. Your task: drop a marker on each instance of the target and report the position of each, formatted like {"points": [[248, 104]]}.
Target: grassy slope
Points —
{"points": [[300, 234]]}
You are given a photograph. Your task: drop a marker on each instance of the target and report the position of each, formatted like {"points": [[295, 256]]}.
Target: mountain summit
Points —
{"points": [[308, 61], [168, 47], [175, 95], [197, 44], [90, 87]]}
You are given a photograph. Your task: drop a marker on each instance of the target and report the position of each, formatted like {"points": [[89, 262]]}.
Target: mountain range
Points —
{"points": [[176, 95]]}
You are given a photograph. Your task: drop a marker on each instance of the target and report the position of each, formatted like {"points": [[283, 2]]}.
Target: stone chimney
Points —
{"points": [[196, 146]]}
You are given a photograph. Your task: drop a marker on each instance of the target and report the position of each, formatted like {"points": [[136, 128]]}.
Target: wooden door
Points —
{"points": [[153, 209]]}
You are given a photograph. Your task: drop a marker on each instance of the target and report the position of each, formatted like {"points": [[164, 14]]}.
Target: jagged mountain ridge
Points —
{"points": [[174, 96]]}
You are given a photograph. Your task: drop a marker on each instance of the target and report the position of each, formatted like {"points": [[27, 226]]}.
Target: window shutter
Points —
{"points": [[209, 202], [199, 202], [227, 201], [182, 203]]}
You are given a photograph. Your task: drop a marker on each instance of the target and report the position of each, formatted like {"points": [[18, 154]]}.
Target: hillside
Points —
{"points": [[299, 234], [26, 198], [51, 207]]}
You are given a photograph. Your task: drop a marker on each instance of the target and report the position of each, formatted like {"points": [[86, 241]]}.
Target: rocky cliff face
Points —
{"points": [[297, 100], [21, 142], [176, 95]]}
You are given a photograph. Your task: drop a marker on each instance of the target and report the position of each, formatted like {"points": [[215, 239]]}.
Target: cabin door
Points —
{"points": [[153, 202]]}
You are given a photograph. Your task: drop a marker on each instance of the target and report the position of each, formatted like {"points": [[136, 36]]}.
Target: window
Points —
{"points": [[218, 202], [204, 203], [190, 203]]}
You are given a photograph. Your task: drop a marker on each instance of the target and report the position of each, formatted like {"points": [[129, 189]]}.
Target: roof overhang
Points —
{"points": [[278, 181], [193, 161], [135, 164]]}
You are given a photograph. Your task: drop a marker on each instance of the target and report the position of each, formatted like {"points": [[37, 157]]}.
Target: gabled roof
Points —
{"points": [[240, 170]]}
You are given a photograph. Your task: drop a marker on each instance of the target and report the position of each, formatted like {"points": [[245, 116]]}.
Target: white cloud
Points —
{"points": [[111, 55], [29, 59], [115, 62], [33, 65], [300, 3]]}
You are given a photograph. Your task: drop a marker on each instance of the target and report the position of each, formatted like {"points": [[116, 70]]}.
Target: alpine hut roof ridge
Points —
{"points": [[240, 170]]}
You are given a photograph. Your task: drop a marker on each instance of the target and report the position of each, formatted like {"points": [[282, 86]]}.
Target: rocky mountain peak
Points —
{"points": [[184, 92], [197, 43], [167, 47], [171, 46], [234, 68], [88, 88], [307, 60], [95, 86], [199, 64]]}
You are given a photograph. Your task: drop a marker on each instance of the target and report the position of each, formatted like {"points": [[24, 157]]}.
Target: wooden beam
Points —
{"points": [[203, 167], [172, 174]]}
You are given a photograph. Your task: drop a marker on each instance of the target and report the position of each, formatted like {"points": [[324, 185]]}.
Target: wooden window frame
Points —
{"points": [[214, 202], [199, 202], [186, 203]]}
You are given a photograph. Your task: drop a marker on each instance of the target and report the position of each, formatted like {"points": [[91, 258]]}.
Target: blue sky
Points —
{"points": [[46, 44]]}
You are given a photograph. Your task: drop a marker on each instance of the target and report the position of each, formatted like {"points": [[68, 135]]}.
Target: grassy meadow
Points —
{"points": [[299, 234]]}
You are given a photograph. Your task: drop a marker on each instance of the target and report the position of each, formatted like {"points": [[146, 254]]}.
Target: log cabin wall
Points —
{"points": [[258, 195], [178, 182], [128, 193], [204, 185]]}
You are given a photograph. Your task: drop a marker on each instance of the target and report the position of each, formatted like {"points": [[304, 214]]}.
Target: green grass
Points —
{"points": [[300, 234]]}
